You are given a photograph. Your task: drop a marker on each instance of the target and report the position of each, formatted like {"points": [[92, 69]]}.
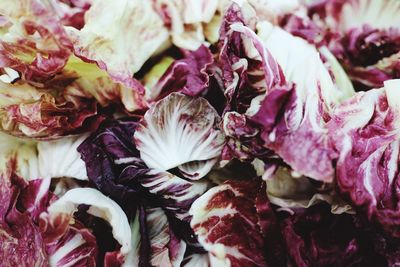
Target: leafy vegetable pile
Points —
{"points": [[200, 133]]}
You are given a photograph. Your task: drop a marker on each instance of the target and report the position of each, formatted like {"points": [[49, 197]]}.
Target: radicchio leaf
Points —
{"points": [[224, 213], [32, 157], [176, 194], [64, 150], [97, 83], [188, 75], [24, 152], [364, 35], [19, 235], [364, 130], [33, 41], [71, 12], [178, 130], [119, 36], [248, 68], [113, 163], [27, 239], [166, 248], [75, 247], [44, 112], [298, 111], [100, 206], [185, 20]]}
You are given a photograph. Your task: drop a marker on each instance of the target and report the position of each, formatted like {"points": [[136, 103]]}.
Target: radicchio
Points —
{"points": [[180, 131], [277, 236], [88, 78], [298, 110], [69, 161], [365, 132], [119, 37], [188, 75], [115, 167], [248, 70], [99, 206], [224, 213], [32, 157], [33, 42], [364, 35], [27, 238], [166, 248], [71, 12], [186, 20], [44, 113], [23, 152]]}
